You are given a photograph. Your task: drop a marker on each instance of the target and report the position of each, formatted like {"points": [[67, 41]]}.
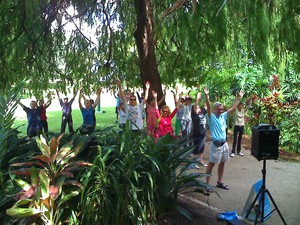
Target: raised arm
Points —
{"points": [[163, 97], [22, 105], [237, 100], [121, 94], [75, 93], [177, 102], [154, 94], [206, 93], [57, 92], [199, 97], [48, 103], [146, 92], [79, 99], [99, 90]]}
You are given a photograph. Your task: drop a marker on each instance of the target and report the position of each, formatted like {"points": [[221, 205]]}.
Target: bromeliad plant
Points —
{"points": [[51, 185]]}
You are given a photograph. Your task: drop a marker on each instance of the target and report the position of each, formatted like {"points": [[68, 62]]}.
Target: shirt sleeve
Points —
{"points": [[174, 113]]}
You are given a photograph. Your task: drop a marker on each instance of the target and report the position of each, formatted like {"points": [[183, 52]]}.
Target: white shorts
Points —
{"points": [[218, 154]]}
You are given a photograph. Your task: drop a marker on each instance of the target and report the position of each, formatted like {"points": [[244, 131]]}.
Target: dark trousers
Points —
{"points": [[67, 119], [44, 126], [237, 138]]}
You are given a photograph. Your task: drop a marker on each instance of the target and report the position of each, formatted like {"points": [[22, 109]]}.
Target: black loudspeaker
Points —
{"points": [[265, 140]]}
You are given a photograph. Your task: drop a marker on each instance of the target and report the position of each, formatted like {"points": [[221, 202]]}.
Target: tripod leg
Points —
{"points": [[261, 207], [253, 203], [272, 200]]}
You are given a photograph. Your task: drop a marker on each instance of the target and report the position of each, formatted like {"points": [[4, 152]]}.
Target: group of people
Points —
{"points": [[36, 116], [37, 119], [192, 121]]}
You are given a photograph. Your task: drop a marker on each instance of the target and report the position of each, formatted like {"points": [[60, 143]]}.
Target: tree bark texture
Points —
{"points": [[144, 38]]}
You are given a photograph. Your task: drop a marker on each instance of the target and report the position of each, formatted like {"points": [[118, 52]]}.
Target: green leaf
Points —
{"points": [[45, 182], [22, 212], [41, 142], [34, 176], [63, 152], [65, 198], [23, 184]]}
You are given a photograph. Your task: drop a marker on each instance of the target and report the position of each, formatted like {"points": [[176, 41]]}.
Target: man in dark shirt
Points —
{"points": [[33, 118], [66, 107]]}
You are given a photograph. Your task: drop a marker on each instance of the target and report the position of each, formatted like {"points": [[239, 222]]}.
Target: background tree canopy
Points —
{"points": [[168, 41]]}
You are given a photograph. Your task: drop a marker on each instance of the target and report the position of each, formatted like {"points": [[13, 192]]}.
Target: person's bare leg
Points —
{"points": [[209, 169], [221, 171]]}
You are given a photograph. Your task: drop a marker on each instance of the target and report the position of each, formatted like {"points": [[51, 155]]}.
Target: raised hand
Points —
{"points": [[241, 93], [199, 97], [154, 94], [206, 91], [147, 85]]}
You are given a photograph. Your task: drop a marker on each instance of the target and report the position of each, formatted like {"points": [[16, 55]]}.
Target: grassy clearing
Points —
{"points": [[54, 120]]}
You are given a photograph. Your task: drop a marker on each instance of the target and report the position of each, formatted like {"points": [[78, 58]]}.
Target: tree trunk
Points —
{"points": [[144, 37]]}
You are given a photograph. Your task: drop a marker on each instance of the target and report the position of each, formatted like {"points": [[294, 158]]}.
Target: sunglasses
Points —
{"points": [[165, 111], [133, 99]]}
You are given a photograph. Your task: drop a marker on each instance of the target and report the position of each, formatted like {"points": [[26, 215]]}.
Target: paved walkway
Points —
{"points": [[282, 181]]}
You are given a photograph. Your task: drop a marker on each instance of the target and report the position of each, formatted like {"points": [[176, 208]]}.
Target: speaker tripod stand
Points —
{"points": [[260, 212]]}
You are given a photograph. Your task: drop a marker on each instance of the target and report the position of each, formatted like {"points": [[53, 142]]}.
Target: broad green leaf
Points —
{"points": [[63, 152], [66, 197], [43, 146], [23, 184], [44, 184], [22, 212], [34, 176]]}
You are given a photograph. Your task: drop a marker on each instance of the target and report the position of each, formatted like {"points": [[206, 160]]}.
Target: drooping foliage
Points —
{"points": [[38, 43]]}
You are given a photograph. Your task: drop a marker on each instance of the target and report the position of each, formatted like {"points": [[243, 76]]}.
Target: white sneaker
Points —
{"points": [[232, 155], [241, 154]]}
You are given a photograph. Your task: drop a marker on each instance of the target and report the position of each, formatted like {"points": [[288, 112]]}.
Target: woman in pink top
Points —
{"points": [[151, 115], [164, 117]]}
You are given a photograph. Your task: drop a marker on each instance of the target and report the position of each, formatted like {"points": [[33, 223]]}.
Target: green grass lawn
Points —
{"points": [[54, 120]]}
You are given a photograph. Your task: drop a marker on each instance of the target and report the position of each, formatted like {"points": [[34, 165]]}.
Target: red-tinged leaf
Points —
{"points": [[82, 163], [58, 139], [73, 182], [46, 203], [67, 173], [28, 194], [43, 158], [55, 191], [53, 148], [22, 172], [28, 164]]}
